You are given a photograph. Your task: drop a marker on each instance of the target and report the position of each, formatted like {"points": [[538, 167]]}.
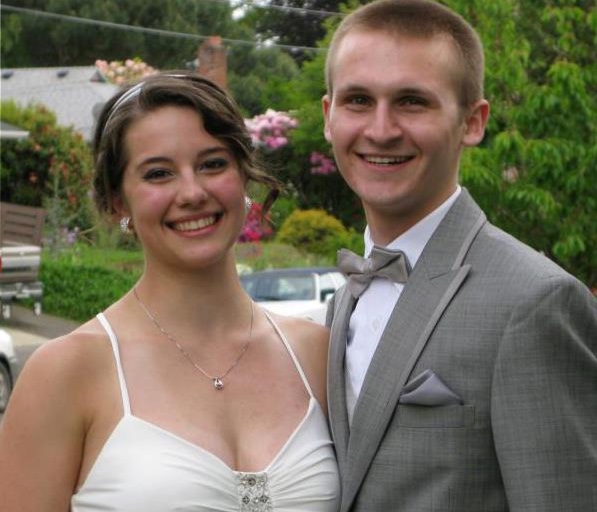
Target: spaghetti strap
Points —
{"points": [[290, 351], [126, 404]]}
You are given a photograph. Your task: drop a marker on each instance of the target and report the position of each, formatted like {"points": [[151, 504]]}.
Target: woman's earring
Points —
{"points": [[248, 203], [125, 225]]}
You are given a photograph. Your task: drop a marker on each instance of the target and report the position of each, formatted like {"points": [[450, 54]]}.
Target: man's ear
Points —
{"points": [[475, 123], [326, 102]]}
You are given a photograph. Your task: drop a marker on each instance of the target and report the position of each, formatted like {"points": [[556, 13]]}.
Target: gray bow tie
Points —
{"points": [[392, 265]]}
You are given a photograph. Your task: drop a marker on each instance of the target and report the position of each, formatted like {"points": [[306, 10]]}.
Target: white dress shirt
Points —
{"points": [[375, 305]]}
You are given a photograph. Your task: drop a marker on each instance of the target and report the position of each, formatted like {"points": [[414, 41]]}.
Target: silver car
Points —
{"points": [[302, 292], [8, 368]]}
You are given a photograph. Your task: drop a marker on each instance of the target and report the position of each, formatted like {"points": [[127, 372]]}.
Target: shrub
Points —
{"points": [[80, 291], [285, 204], [313, 231]]}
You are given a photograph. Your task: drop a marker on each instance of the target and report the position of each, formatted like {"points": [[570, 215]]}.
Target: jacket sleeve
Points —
{"points": [[544, 400]]}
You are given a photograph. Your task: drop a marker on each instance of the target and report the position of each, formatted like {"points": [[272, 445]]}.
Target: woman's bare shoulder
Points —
{"points": [[309, 341], [48, 416], [70, 360], [303, 332]]}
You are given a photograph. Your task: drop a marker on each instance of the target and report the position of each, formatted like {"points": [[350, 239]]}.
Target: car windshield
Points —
{"points": [[280, 287]]}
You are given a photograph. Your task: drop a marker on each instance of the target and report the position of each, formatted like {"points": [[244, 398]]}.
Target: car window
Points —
{"points": [[280, 287], [296, 287]]}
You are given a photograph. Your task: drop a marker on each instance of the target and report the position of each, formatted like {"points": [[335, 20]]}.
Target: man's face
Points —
{"points": [[396, 125]]}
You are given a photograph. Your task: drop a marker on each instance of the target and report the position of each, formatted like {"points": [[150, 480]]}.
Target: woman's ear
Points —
{"points": [[119, 207], [475, 123]]}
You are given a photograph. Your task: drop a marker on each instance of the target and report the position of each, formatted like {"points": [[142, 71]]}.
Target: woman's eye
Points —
{"points": [[156, 174], [214, 164]]}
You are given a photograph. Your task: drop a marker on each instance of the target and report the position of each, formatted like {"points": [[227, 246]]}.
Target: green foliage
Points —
{"points": [[50, 42], [286, 203], [291, 27], [255, 76], [315, 231], [78, 290], [535, 173], [51, 168]]}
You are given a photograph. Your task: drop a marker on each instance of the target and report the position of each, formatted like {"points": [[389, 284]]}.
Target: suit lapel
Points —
{"points": [[338, 415], [434, 281]]}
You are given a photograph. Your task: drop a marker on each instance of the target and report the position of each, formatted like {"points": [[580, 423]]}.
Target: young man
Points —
{"points": [[472, 384]]}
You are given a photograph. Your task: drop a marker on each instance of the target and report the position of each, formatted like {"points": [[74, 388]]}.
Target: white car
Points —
{"points": [[302, 292], [8, 368]]}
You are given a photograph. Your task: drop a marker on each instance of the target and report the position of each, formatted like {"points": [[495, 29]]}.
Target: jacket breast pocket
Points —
{"points": [[446, 416]]}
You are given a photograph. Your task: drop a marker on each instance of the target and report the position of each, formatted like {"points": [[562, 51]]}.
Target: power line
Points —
{"points": [[154, 31], [287, 8]]}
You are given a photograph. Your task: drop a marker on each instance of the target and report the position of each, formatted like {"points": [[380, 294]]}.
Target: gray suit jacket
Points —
{"points": [[515, 338]]}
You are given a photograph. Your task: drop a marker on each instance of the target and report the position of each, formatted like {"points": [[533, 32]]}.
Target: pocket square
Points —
{"points": [[429, 390]]}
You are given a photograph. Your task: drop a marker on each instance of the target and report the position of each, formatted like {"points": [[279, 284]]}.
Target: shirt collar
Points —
{"points": [[413, 241]]}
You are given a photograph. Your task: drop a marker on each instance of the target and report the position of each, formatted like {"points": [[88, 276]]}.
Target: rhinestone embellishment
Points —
{"points": [[253, 492], [218, 383]]}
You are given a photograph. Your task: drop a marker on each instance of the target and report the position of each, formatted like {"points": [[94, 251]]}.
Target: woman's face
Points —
{"points": [[182, 188]]}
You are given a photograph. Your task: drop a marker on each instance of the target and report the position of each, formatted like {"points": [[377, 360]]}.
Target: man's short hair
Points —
{"points": [[420, 19]]}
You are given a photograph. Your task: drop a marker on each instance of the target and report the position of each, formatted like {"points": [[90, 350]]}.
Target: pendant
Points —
{"points": [[218, 383]]}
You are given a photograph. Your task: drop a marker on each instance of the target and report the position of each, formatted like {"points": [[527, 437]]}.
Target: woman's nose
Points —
{"points": [[191, 190]]}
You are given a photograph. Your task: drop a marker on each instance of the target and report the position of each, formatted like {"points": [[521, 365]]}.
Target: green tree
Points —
{"points": [[535, 174], [297, 23], [53, 42], [256, 76]]}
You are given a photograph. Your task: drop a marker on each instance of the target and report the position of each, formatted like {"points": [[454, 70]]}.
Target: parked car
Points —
{"points": [[302, 292], [8, 367]]}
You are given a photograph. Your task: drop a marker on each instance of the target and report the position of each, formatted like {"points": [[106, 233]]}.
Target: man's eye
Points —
{"points": [[412, 100], [358, 100]]}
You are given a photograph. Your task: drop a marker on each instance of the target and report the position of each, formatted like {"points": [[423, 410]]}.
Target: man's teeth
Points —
{"points": [[385, 160], [192, 225]]}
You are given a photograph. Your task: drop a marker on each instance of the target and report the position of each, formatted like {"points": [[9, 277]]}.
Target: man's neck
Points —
{"points": [[423, 227]]}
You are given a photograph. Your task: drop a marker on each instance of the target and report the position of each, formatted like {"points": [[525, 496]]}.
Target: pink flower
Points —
{"points": [[321, 164], [269, 131], [255, 229]]}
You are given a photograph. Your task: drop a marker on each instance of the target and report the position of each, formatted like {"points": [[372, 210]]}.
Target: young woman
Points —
{"points": [[183, 395]]}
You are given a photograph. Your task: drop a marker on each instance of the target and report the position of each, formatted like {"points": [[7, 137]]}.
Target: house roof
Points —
{"points": [[72, 93]]}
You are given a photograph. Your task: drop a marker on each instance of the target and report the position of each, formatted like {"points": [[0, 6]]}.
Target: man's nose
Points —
{"points": [[384, 125]]}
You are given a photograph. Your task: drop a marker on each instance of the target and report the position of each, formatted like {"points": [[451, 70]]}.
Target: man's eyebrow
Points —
{"points": [[352, 88], [414, 90], [405, 90]]}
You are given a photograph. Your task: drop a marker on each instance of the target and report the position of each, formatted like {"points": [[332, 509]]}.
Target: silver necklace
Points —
{"points": [[216, 380]]}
